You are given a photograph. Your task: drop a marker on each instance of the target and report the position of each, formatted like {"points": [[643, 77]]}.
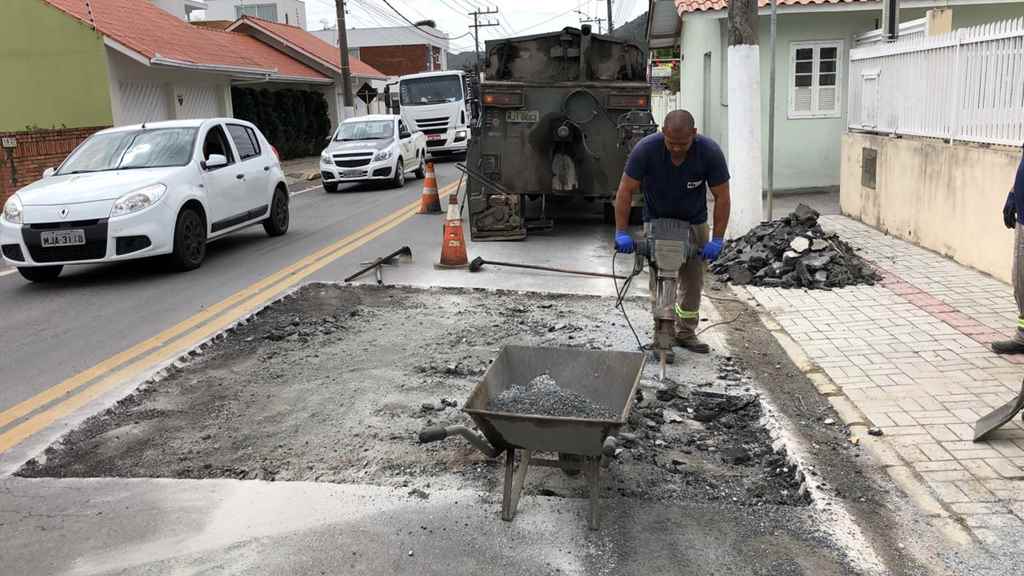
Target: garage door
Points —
{"points": [[143, 102], [197, 101]]}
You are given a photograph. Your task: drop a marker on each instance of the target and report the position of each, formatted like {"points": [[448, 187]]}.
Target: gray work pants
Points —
{"points": [[1018, 278], [689, 284]]}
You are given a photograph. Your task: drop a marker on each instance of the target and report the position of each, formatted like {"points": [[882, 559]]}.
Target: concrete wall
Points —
{"points": [[54, 74], [945, 198]]}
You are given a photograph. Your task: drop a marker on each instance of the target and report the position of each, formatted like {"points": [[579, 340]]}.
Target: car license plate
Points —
{"points": [[57, 238], [522, 116], [435, 136], [353, 173]]}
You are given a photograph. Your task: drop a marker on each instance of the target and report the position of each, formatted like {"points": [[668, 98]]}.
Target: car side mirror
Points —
{"points": [[215, 161], [404, 135], [49, 172]]}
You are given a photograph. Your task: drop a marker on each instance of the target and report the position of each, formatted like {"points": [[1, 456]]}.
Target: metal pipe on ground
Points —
{"points": [[478, 263]]}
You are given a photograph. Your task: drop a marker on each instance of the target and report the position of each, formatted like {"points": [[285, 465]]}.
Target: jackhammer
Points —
{"points": [[666, 246]]}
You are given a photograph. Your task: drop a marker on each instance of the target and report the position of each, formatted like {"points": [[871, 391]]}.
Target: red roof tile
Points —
{"points": [[310, 44], [684, 6], [152, 32]]}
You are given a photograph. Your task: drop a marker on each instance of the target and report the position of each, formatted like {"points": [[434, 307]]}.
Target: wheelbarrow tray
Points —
{"points": [[608, 378]]}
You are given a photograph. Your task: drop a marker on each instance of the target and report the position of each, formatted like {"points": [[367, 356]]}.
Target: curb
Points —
{"points": [[901, 472]]}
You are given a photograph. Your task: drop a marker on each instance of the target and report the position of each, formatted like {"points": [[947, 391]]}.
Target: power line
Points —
{"points": [[476, 26], [548, 21], [413, 24]]}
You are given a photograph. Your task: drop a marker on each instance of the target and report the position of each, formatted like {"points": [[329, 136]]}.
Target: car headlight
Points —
{"points": [[138, 200], [382, 155], [13, 210], [460, 134], [325, 157]]}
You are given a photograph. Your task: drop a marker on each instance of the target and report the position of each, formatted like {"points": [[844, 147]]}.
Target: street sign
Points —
{"points": [[367, 93]]}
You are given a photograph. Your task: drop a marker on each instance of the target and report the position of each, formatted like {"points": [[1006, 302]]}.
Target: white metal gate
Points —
{"points": [[197, 101], [143, 102], [662, 104]]}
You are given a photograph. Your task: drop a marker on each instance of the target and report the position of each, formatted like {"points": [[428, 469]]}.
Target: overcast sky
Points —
{"points": [[514, 16]]}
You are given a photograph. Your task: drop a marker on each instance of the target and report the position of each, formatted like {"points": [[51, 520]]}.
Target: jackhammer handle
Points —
{"points": [[433, 434]]}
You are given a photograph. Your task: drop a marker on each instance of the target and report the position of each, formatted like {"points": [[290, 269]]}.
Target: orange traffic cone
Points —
{"points": [[430, 202], [453, 246]]}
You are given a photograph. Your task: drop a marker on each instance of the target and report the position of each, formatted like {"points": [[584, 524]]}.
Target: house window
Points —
{"points": [[264, 11], [815, 79]]}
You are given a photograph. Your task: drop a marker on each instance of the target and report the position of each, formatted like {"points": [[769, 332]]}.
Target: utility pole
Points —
{"points": [[771, 115], [610, 26], [476, 26], [346, 72], [600, 30], [744, 97]]}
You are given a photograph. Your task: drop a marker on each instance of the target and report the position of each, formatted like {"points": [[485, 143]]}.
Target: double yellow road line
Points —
{"points": [[61, 400]]}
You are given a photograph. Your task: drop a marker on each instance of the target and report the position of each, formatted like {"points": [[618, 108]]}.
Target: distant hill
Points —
{"points": [[635, 30]]}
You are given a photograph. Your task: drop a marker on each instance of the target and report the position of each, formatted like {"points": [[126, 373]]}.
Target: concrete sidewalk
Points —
{"points": [[911, 356]]}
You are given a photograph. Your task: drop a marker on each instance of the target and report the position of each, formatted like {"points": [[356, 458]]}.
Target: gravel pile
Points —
{"points": [[793, 252], [543, 397]]}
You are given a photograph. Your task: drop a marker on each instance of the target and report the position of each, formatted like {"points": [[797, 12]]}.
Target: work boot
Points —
{"points": [[1008, 347], [693, 344]]}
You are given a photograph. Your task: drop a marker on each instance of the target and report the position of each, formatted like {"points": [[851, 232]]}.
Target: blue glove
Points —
{"points": [[623, 242], [713, 249]]}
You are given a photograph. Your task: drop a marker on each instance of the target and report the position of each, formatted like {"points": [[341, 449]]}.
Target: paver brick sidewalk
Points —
{"points": [[912, 355]]}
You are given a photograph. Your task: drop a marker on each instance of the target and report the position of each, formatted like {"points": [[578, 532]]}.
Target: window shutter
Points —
{"points": [[827, 99], [802, 101]]}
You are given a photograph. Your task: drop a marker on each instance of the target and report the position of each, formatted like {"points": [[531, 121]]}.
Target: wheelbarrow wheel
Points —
{"points": [[570, 459]]}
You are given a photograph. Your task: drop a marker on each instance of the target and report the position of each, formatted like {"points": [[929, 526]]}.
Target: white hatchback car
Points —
{"points": [[145, 190]]}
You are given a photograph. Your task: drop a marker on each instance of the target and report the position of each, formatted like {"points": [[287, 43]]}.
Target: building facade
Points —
{"points": [[396, 50], [292, 12]]}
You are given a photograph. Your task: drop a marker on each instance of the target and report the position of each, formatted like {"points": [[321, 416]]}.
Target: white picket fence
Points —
{"points": [[966, 85], [662, 104]]}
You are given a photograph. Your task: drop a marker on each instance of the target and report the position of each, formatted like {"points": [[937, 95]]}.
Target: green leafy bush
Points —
{"points": [[294, 121]]}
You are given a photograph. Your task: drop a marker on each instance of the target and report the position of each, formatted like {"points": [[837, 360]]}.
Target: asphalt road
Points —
{"points": [[49, 332]]}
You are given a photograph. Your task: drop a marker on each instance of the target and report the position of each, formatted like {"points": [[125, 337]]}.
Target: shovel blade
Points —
{"points": [[993, 420]]}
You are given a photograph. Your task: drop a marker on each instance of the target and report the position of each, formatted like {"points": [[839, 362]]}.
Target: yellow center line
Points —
{"points": [[233, 308]]}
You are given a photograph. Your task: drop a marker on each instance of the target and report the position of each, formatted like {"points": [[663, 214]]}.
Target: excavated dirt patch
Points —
{"points": [[333, 383]]}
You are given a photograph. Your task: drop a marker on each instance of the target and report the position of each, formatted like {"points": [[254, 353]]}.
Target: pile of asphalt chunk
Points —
{"points": [[793, 252], [543, 397]]}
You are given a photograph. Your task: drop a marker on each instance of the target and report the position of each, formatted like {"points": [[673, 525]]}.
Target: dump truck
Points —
{"points": [[558, 116]]}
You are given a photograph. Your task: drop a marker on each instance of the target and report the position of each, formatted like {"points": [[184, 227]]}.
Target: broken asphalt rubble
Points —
{"points": [[793, 252]]}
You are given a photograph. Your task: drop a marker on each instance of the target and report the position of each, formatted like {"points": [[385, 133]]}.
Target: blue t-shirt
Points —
{"points": [[672, 191], [1017, 194]]}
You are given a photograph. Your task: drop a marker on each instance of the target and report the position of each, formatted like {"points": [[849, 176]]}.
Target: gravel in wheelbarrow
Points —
{"points": [[542, 396]]}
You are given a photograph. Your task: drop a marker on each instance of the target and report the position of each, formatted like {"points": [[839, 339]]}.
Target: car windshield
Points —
{"points": [[432, 90], [153, 148], [367, 130]]}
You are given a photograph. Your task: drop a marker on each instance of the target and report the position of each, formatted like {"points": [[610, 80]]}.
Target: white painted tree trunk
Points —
{"points": [[744, 139]]}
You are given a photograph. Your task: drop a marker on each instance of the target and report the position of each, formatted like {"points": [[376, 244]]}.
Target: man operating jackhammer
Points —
{"points": [[675, 168], [1013, 218]]}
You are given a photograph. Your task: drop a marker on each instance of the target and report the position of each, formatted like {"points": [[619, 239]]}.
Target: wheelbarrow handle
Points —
{"points": [[435, 433]]}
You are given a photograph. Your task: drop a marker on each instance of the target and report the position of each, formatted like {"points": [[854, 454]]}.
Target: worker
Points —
{"points": [[1013, 218], [675, 168]]}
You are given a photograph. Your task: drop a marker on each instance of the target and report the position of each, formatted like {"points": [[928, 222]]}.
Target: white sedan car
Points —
{"points": [[145, 190], [377, 147]]}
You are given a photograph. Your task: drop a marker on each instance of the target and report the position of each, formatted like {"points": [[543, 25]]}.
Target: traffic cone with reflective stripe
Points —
{"points": [[453, 244], [430, 202]]}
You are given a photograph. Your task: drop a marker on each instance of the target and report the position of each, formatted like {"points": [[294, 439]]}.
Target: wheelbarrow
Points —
{"points": [[608, 378]]}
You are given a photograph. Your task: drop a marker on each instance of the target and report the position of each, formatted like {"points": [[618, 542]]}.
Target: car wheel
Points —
{"points": [[277, 223], [41, 273], [330, 188], [189, 240], [421, 171], [398, 180]]}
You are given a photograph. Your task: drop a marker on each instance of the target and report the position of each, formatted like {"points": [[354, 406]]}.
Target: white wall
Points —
{"points": [[141, 93], [225, 10], [176, 7]]}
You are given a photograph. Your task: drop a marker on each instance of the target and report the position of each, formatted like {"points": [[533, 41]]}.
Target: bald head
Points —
{"points": [[679, 132], [678, 120]]}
